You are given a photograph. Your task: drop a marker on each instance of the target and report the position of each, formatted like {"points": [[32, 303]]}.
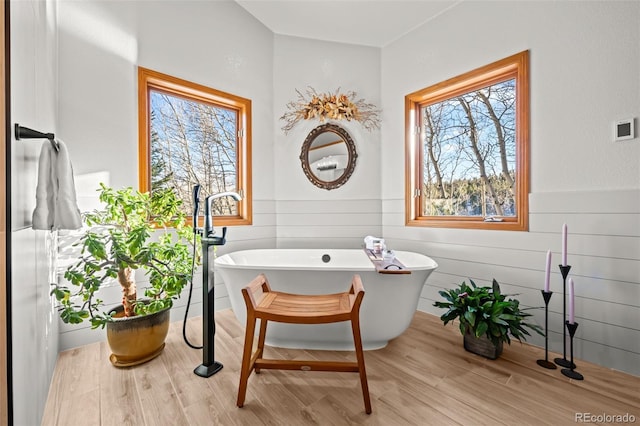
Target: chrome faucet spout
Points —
{"points": [[231, 194], [208, 218]]}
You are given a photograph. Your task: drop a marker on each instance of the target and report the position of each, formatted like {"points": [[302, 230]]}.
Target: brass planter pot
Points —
{"points": [[135, 340], [482, 346]]}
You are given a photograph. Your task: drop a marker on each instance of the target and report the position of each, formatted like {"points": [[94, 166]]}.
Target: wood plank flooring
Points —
{"points": [[424, 377]]}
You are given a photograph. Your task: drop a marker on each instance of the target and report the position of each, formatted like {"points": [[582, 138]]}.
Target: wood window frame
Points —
{"points": [[152, 80], [515, 66]]}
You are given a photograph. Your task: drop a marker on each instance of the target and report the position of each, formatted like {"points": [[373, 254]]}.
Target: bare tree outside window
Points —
{"points": [[193, 143], [469, 153]]}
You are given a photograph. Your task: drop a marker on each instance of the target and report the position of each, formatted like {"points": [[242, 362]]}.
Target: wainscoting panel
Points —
{"points": [[327, 224], [603, 251]]}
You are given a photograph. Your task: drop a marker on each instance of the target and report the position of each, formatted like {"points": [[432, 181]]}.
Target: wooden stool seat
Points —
{"points": [[267, 305], [300, 309]]}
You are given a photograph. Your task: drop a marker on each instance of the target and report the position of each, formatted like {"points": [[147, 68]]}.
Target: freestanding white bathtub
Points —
{"points": [[388, 306]]}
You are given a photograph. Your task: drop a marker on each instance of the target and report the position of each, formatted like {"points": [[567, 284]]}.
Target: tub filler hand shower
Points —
{"points": [[209, 365]]}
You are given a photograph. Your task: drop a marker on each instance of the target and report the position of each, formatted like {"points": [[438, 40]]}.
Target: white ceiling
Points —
{"points": [[366, 22]]}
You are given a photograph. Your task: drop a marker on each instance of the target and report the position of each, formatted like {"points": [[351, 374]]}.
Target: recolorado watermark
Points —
{"points": [[604, 418]]}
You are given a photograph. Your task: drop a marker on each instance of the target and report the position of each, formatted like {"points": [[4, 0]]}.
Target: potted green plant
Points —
{"points": [[487, 317], [134, 231]]}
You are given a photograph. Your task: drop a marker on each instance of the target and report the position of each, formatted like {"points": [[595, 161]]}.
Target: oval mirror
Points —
{"points": [[328, 156]]}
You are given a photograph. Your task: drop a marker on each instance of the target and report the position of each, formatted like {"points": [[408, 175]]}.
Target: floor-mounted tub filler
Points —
{"points": [[209, 365], [388, 306]]}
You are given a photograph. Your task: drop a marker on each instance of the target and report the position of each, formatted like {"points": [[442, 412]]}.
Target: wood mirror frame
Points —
{"points": [[324, 137]]}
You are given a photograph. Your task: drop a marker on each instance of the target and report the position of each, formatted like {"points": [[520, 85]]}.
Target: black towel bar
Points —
{"points": [[26, 133]]}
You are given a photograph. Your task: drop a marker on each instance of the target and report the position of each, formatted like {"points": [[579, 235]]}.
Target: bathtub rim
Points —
{"points": [[222, 260]]}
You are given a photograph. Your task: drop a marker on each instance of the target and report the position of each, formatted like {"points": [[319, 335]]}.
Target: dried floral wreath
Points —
{"points": [[335, 106]]}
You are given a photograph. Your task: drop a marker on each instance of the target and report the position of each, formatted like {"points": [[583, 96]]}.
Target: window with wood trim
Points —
{"points": [[191, 134], [467, 149]]}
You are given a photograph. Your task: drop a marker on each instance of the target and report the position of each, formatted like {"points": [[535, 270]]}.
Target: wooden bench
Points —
{"points": [[267, 305]]}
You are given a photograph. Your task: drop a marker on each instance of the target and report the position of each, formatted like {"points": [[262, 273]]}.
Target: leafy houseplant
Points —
{"points": [[486, 312], [134, 231]]}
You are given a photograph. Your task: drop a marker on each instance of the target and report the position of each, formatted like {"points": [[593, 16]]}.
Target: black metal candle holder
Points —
{"points": [[546, 295], [570, 372], [564, 362]]}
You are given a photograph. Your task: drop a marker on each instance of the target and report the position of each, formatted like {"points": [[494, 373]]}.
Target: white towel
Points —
{"points": [[56, 206], [45, 204]]}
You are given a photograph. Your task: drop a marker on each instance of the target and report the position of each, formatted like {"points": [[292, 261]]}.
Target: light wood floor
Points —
{"points": [[424, 377]]}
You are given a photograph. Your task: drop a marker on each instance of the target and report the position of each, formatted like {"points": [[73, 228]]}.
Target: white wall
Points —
{"points": [[33, 94], [216, 44], [585, 63], [309, 216]]}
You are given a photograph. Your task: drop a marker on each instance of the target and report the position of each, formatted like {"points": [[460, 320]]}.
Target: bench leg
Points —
{"points": [[245, 371], [261, 337], [357, 340]]}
